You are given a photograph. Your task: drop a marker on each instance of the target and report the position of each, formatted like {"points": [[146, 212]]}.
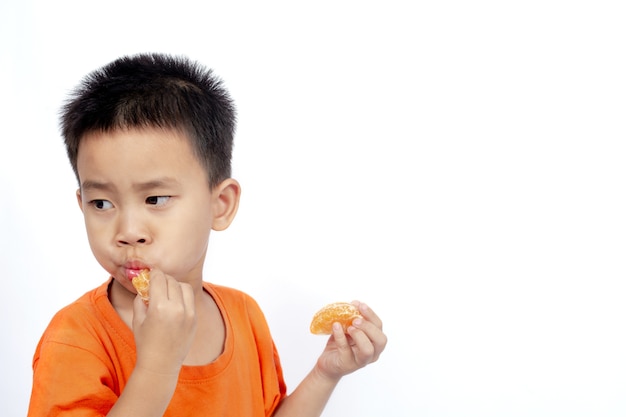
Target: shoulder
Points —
{"points": [[77, 313], [82, 322], [237, 305], [231, 297]]}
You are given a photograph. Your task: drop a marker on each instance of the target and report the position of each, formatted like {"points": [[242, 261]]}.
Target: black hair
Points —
{"points": [[155, 90]]}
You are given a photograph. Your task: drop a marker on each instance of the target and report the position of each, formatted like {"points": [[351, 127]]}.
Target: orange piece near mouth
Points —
{"points": [[141, 282]]}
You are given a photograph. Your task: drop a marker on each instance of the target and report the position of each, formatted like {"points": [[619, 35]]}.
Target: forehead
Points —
{"points": [[136, 153]]}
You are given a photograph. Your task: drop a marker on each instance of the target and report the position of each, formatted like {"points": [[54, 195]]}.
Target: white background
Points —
{"points": [[459, 165]]}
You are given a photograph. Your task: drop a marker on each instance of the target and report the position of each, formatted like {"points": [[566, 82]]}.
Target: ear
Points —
{"points": [[225, 203], [80, 199]]}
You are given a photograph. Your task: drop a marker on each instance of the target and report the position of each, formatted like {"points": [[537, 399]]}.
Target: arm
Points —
{"points": [[147, 393], [163, 335], [343, 355]]}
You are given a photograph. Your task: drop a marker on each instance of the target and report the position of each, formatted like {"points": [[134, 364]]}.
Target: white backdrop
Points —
{"points": [[457, 165]]}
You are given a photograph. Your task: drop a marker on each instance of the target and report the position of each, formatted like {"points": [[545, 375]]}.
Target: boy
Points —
{"points": [[150, 140]]}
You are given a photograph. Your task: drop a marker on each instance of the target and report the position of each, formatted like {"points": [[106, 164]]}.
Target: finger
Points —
{"points": [[139, 311], [340, 338], [372, 325], [363, 330], [363, 349], [158, 285], [174, 291], [188, 296], [368, 314], [189, 303]]}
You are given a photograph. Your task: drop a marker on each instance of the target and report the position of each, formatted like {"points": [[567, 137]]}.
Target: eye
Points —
{"points": [[101, 204], [157, 200]]}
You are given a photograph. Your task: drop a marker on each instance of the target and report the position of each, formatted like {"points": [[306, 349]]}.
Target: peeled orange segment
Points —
{"points": [[141, 282], [342, 313]]}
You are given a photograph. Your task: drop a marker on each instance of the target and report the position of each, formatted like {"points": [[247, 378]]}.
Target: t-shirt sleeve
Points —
{"points": [[72, 373], [274, 387], [70, 381]]}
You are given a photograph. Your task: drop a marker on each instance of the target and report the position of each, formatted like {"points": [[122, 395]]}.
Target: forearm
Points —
{"points": [[309, 398], [163, 334], [147, 394], [344, 354]]}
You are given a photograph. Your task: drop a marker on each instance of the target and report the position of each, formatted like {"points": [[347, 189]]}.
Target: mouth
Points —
{"points": [[132, 269]]}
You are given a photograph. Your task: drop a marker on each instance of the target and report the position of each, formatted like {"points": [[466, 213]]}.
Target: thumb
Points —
{"points": [[139, 311]]}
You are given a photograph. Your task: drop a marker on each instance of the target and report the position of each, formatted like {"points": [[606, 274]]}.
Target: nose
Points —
{"points": [[132, 230]]}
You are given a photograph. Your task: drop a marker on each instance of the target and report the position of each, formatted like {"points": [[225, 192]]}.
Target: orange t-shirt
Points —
{"points": [[87, 354]]}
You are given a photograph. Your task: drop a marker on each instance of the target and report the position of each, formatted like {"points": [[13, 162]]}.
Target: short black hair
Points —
{"points": [[155, 90]]}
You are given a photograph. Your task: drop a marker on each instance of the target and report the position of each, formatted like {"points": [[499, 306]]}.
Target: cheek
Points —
{"points": [[186, 236], [182, 251], [192, 234], [91, 231], [99, 240], [95, 234], [103, 255]]}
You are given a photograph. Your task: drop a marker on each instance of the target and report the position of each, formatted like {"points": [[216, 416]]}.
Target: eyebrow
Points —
{"points": [[95, 185], [156, 183], [141, 186]]}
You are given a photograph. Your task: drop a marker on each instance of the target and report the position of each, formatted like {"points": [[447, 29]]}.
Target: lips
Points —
{"points": [[133, 269]]}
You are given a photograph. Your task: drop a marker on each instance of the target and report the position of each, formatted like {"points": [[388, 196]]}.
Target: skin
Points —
{"points": [[147, 203]]}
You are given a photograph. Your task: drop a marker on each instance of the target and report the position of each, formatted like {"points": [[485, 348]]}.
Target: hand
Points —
{"points": [[345, 353], [165, 329]]}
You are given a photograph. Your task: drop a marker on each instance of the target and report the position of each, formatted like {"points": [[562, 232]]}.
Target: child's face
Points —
{"points": [[146, 202]]}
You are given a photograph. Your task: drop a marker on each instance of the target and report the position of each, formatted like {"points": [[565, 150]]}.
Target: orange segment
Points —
{"points": [[342, 313], [141, 282]]}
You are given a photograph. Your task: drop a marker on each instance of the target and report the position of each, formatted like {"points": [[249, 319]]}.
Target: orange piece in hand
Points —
{"points": [[342, 313]]}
